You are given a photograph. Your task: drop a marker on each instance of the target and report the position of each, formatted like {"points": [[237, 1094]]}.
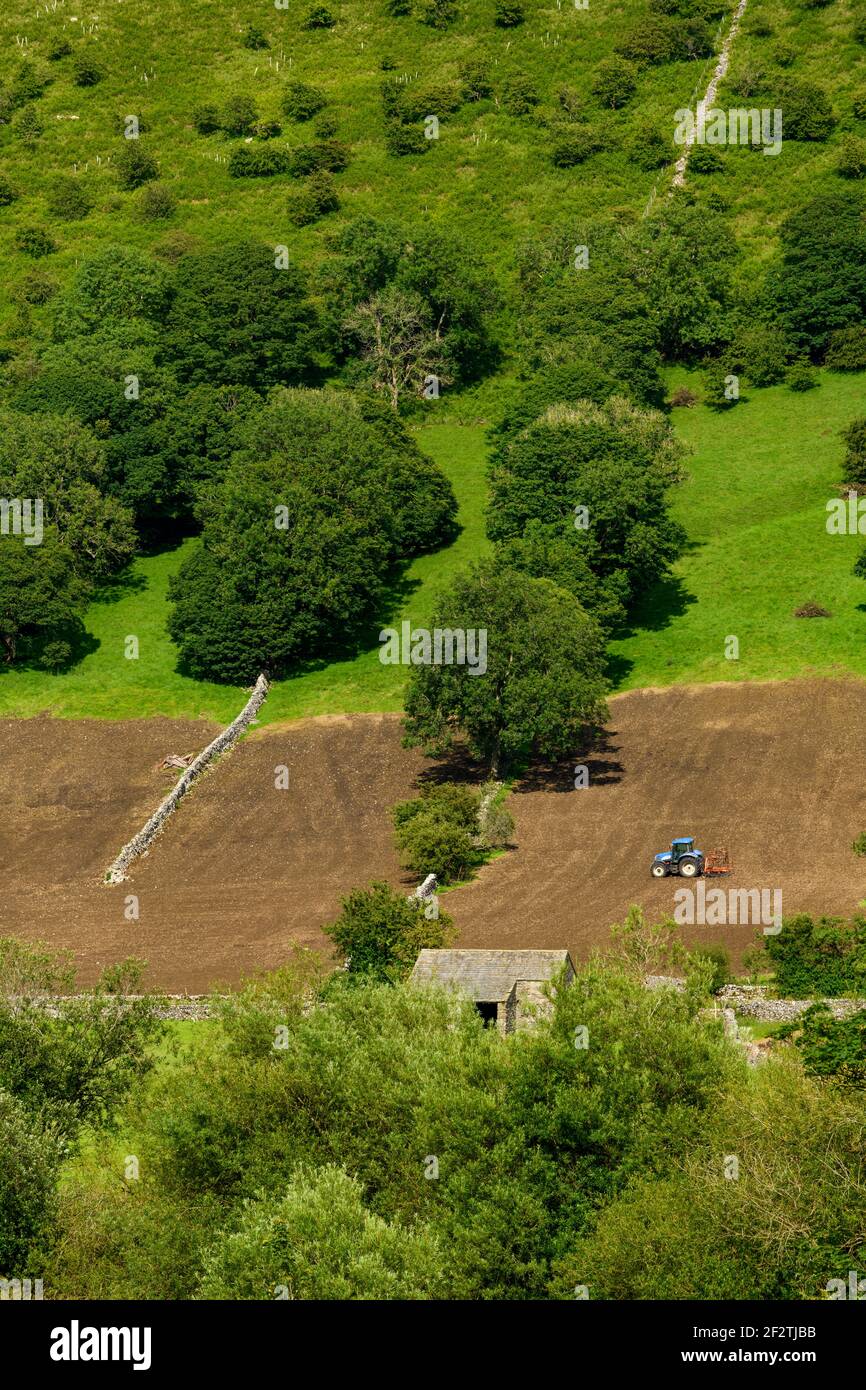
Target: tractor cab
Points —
{"points": [[681, 847]]}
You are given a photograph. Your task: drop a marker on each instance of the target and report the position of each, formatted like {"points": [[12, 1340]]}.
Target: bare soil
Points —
{"points": [[244, 871]]}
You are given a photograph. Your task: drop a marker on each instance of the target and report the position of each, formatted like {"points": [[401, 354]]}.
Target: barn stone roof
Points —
{"points": [[487, 976]]}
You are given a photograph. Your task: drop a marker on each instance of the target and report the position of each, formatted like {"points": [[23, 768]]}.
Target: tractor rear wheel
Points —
{"points": [[659, 870], [688, 868]]}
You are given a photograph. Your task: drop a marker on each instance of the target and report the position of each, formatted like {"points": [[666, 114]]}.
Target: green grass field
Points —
{"points": [[754, 507]]}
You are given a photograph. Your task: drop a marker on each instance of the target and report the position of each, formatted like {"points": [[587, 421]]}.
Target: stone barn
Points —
{"points": [[505, 986]]}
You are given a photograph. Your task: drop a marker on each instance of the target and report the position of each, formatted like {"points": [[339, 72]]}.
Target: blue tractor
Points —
{"points": [[682, 858]]}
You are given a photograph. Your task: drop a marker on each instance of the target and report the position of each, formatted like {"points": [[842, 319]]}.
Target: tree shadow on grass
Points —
{"points": [[56, 652], [119, 586]]}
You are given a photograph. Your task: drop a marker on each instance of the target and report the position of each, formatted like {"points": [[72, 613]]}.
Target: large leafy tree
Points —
{"points": [[298, 540], [544, 678], [819, 283], [41, 600], [614, 460], [239, 317]]}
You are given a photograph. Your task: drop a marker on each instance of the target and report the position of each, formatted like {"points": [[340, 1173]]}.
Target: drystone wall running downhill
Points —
{"points": [[709, 96], [223, 741]]}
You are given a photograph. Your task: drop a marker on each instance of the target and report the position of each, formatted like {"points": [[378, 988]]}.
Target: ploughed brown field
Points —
{"points": [[244, 871]]}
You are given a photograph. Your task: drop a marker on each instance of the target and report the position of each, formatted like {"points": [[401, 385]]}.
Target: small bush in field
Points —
{"points": [[315, 199], [135, 166], [7, 192], [319, 17], [301, 102], [86, 72], [851, 163], [155, 203], [475, 80], [403, 139], [69, 199], [519, 95], [35, 242], [267, 130], [239, 115], [254, 38], [57, 49], [508, 14], [801, 377], [206, 119], [846, 351], [615, 82]]}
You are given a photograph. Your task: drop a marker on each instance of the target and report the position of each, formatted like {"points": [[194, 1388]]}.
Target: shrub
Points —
{"points": [[301, 102], [239, 115], [319, 17], [818, 958], [851, 163], [27, 86], [267, 130], [58, 48], [206, 118], [807, 113], [858, 105], [762, 353], [69, 199], [86, 72], [325, 128], [155, 203], [846, 351], [705, 160], [332, 155], [403, 139], [783, 55], [648, 149], [475, 80], [175, 245], [651, 41], [519, 95], [247, 162], [254, 38], [717, 390], [379, 934], [859, 845], [801, 377], [573, 145], [315, 199], [570, 100], [615, 82], [719, 960], [854, 438], [36, 287], [495, 821], [858, 29], [507, 14], [683, 398], [34, 241], [747, 80], [437, 13], [27, 125], [436, 832], [135, 166], [7, 192], [397, 9], [417, 100]]}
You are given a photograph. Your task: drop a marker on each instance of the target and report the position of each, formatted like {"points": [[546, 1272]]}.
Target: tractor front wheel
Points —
{"points": [[688, 868], [659, 870]]}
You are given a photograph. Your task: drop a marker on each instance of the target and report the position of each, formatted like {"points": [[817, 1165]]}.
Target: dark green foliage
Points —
{"points": [[403, 139], [615, 82], [824, 957], [58, 48], [507, 14], [437, 13], [28, 125], [519, 95], [783, 55], [831, 1047], [238, 318], [36, 287], [299, 538], [685, 256], [801, 377], [30, 1158], [705, 160], [846, 350], [819, 285], [155, 203], [574, 144], [254, 38], [319, 17], [69, 199], [721, 388], [41, 597], [34, 241], [135, 165], [553, 551], [660, 38], [437, 831], [543, 679], [7, 192], [315, 199], [331, 155], [761, 353], [855, 451], [720, 964], [86, 72], [254, 162], [206, 118], [416, 100], [239, 115], [114, 284], [301, 102], [648, 149], [199, 431], [807, 112], [379, 933], [475, 79], [852, 158], [615, 460], [267, 130]]}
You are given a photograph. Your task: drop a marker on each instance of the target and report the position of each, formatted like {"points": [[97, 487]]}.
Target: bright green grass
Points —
{"points": [[106, 684], [755, 511]]}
